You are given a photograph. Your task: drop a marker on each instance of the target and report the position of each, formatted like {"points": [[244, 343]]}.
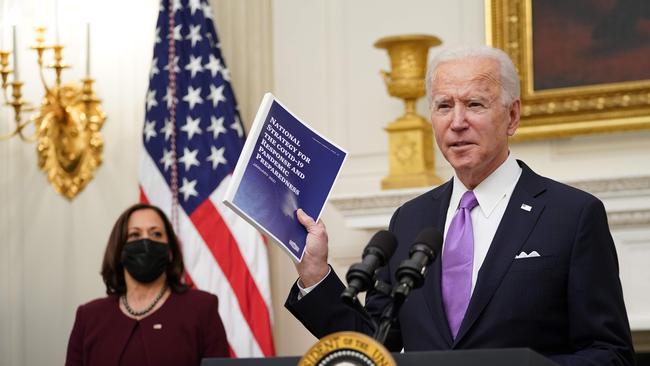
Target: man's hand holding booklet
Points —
{"points": [[284, 165]]}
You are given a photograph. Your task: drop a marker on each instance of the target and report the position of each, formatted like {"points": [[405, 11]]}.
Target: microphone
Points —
{"points": [[361, 276], [411, 272], [410, 275]]}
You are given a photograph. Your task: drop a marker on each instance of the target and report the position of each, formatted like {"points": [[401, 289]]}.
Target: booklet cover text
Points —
{"points": [[285, 165]]}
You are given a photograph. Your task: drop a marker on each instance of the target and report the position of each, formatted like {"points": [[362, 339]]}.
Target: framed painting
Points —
{"points": [[584, 64]]}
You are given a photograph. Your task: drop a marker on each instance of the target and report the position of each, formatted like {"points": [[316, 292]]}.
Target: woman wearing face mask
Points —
{"points": [[149, 316]]}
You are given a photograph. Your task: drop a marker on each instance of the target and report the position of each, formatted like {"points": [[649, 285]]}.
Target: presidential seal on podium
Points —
{"points": [[347, 348]]}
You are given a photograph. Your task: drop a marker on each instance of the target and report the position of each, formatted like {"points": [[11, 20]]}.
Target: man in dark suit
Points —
{"points": [[526, 261]]}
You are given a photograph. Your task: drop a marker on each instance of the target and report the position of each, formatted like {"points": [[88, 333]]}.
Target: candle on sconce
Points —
{"points": [[88, 50], [15, 49], [56, 22], [3, 24]]}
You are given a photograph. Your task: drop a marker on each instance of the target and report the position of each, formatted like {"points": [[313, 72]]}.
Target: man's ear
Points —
{"points": [[513, 117]]}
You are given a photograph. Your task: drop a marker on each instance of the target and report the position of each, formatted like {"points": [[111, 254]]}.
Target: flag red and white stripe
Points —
{"points": [[191, 144]]}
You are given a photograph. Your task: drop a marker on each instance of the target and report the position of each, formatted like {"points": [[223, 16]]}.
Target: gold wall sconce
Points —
{"points": [[411, 159], [66, 124]]}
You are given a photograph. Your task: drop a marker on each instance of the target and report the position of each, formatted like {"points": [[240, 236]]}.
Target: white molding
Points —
{"points": [[627, 201], [616, 187]]}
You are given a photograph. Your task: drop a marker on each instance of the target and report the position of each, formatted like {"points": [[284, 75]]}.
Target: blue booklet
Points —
{"points": [[284, 165]]}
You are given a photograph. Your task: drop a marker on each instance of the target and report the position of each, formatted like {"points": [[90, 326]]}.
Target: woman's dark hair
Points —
{"points": [[112, 269]]}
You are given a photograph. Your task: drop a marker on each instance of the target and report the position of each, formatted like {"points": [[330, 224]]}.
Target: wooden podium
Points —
{"points": [[478, 357]]}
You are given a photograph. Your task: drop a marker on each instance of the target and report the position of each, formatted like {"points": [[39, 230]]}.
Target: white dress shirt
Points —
{"points": [[492, 195]]}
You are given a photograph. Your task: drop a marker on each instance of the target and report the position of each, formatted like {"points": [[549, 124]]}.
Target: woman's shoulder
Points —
{"points": [[100, 304], [193, 294], [196, 297]]}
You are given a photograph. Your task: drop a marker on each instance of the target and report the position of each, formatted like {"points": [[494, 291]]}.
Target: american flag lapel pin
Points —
{"points": [[526, 207]]}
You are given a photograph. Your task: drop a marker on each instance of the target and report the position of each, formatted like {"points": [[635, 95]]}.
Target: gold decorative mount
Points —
{"points": [[411, 161], [67, 124]]}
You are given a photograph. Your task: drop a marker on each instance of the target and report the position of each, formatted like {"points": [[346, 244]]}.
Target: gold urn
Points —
{"points": [[411, 159]]}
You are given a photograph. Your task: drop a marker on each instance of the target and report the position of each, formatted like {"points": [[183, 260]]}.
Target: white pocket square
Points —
{"points": [[529, 255]]}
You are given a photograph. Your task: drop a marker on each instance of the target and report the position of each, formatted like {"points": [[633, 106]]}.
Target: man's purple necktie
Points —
{"points": [[458, 262]]}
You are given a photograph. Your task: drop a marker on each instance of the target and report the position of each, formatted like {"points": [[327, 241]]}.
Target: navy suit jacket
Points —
{"points": [[566, 304]]}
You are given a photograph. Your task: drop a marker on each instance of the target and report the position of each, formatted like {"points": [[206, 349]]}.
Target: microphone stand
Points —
{"points": [[409, 275], [390, 312], [409, 278], [398, 294]]}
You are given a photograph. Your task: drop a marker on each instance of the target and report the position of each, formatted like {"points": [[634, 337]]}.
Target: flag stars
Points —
{"points": [[193, 96], [216, 126], [167, 159], [216, 95], [207, 12], [216, 156], [189, 158], [210, 40], [188, 189], [149, 130], [157, 36], [194, 66], [151, 99], [194, 35], [177, 33], [225, 73], [237, 127], [205, 105], [191, 127], [214, 65], [195, 5], [154, 68], [168, 98], [167, 129], [176, 68]]}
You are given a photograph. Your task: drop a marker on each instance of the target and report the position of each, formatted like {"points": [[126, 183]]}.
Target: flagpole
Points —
{"points": [[172, 115]]}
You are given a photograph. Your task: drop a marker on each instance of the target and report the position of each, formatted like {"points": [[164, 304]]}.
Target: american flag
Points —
{"points": [[192, 139]]}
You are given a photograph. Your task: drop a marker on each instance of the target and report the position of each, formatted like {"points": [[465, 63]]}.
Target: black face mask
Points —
{"points": [[145, 259]]}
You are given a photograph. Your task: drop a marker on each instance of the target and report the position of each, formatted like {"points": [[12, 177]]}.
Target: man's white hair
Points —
{"points": [[510, 89]]}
